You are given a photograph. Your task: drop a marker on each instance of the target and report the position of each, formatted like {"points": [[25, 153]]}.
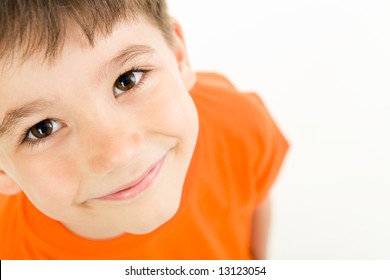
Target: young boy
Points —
{"points": [[104, 153]]}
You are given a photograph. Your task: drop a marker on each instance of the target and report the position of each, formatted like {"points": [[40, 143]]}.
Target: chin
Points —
{"points": [[153, 221]]}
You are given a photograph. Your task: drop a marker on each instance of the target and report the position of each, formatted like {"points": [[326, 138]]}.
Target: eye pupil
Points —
{"points": [[125, 81], [42, 129]]}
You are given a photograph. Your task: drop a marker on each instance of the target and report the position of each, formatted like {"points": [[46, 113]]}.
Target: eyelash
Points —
{"points": [[34, 143], [136, 69]]}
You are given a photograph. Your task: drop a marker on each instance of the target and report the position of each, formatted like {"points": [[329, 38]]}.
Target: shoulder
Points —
{"points": [[240, 133], [221, 106], [215, 90]]}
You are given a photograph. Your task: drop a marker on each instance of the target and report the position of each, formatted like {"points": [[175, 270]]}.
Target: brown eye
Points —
{"points": [[127, 81], [42, 129]]}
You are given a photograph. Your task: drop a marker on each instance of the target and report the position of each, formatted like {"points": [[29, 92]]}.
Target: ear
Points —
{"points": [[7, 184], [180, 49]]}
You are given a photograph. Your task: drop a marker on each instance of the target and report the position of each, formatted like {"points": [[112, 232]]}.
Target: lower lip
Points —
{"points": [[139, 187]]}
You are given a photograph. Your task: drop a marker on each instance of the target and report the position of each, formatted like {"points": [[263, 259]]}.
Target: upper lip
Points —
{"points": [[136, 181]]}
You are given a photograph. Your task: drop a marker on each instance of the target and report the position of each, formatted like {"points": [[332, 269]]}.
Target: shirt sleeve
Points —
{"points": [[269, 153]]}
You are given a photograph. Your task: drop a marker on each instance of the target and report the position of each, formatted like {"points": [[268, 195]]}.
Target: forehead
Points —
{"points": [[75, 39], [76, 46], [78, 60]]}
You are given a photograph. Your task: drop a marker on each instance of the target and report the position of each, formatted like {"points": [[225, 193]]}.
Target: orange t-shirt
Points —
{"points": [[237, 157]]}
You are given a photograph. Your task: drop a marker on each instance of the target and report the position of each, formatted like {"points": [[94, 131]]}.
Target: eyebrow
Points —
{"points": [[13, 117], [126, 55]]}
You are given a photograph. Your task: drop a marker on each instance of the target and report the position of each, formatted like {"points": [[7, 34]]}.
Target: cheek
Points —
{"points": [[173, 113], [49, 182]]}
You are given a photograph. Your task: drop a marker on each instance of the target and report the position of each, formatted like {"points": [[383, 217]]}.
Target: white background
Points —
{"points": [[274, 270], [323, 69]]}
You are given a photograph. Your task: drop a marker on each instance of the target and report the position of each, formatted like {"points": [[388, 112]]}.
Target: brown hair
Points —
{"points": [[31, 26]]}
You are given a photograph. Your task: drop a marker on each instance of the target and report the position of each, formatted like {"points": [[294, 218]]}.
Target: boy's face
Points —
{"points": [[101, 140]]}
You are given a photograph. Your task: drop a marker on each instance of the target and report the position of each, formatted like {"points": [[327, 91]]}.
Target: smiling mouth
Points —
{"points": [[134, 188]]}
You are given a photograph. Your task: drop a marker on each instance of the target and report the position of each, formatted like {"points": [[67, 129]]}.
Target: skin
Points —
{"points": [[104, 138], [260, 230]]}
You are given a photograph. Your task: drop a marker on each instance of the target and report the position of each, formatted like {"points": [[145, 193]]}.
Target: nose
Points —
{"points": [[112, 146]]}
